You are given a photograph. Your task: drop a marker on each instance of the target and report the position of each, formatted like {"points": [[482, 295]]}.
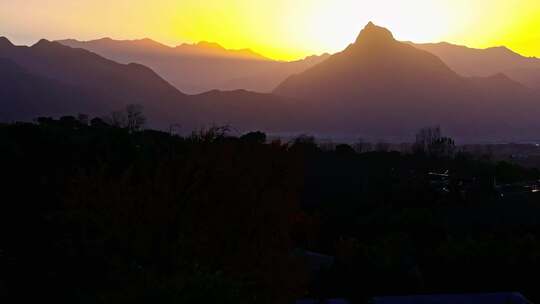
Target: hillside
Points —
{"points": [[200, 67], [486, 62], [381, 87], [49, 79]]}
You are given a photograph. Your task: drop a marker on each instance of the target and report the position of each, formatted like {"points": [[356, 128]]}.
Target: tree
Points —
{"points": [[69, 122], [83, 119], [212, 134], [327, 146], [44, 120], [254, 137], [304, 143], [362, 146], [131, 118], [382, 147], [98, 123], [117, 119], [174, 129], [425, 138], [442, 147], [345, 149], [430, 141], [135, 118]]}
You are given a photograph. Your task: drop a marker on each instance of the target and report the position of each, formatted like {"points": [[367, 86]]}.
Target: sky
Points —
{"points": [[280, 29]]}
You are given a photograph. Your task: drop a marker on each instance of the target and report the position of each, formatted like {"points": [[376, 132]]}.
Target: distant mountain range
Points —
{"points": [[82, 81], [486, 62], [50, 79], [204, 66], [377, 88], [149, 46], [201, 67], [382, 87], [23, 96]]}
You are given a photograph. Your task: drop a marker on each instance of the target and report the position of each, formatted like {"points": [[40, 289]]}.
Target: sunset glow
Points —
{"points": [[280, 29]]}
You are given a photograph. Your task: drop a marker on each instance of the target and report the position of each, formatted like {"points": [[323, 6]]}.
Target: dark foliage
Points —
{"points": [[100, 214]]}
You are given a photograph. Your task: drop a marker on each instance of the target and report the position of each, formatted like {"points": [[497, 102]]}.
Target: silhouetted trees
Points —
{"points": [[98, 123], [117, 119], [361, 146], [135, 118], [382, 147], [431, 142], [304, 144], [345, 149], [211, 134], [254, 137], [99, 213], [132, 118], [83, 119], [91, 212]]}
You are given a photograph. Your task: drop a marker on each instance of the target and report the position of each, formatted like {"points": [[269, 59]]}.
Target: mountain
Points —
{"points": [[50, 79], [247, 111], [101, 84], [485, 62], [210, 49], [82, 68], [377, 89], [201, 67], [149, 46], [23, 95], [384, 88]]}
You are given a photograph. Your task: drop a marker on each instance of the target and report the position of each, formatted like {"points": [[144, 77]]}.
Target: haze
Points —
{"points": [[279, 29]]}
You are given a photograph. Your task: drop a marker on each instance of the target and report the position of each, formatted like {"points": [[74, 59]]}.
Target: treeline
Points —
{"points": [[103, 211], [100, 214]]}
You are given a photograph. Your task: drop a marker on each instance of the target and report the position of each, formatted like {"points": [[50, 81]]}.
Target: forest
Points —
{"points": [[105, 211]]}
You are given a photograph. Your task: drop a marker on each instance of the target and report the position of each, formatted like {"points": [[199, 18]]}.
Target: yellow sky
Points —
{"points": [[281, 29]]}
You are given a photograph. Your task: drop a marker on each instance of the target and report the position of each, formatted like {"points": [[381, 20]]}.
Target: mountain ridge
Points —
{"points": [[476, 62], [5, 42], [195, 49], [52, 79], [196, 68], [376, 88], [102, 85], [378, 78]]}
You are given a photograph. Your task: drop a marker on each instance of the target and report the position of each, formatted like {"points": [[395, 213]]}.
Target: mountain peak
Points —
{"points": [[374, 34], [503, 50], [212, 49], [5, 42], [210, 45], [47, 45], [42, 43], [148, 41]]}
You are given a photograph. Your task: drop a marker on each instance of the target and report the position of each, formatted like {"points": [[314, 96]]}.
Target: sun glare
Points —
{"points": [[280, 29]]}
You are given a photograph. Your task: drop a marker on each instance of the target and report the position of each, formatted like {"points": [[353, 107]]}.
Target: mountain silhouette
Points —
{"points": [[50, 79], [82, 68], [381, 87], [103, 85], [146, 45], [24, 96], [375, 62], [377, 88], [5, 43], [486, 62], [201, 67], [247, 111], [211, 49]]}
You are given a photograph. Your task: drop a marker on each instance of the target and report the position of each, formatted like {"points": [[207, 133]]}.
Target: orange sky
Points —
{"points": [[280, 29]]}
